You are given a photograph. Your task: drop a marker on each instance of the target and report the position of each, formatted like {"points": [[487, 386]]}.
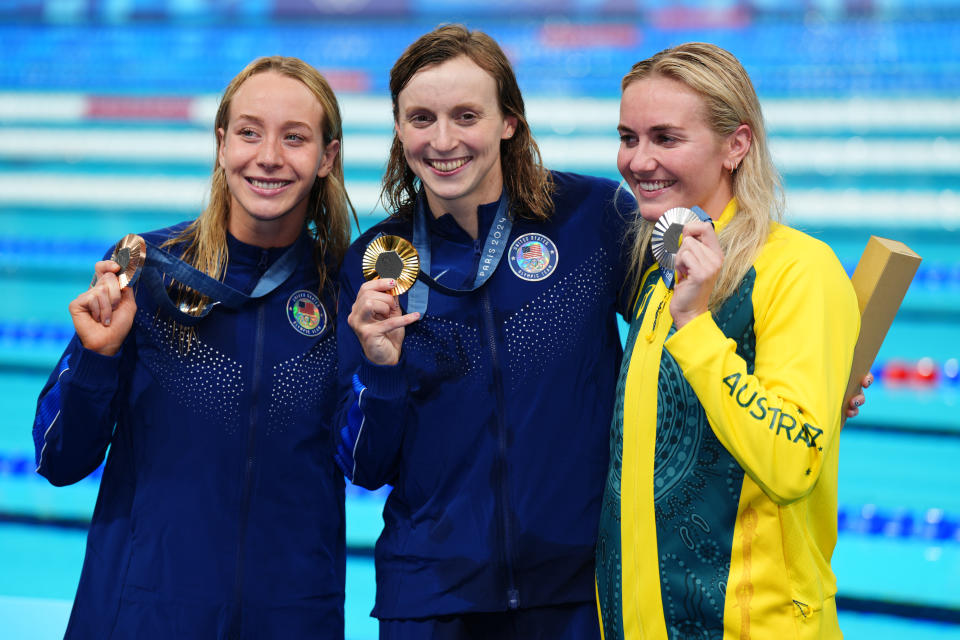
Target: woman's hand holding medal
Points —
{"points": [[102, 315], [378, 321], [697, 263]]}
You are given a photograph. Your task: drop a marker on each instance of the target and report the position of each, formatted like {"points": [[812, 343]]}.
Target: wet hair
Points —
{"points": [[527, 182], [328, 206], [729, 101]]}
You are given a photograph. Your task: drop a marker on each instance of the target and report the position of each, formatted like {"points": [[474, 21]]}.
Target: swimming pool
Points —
{"points": [[71, 184]]}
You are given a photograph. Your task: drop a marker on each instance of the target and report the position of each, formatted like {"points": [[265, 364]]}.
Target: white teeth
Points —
{"points": [[263, 184], [447, 165], [654, 185]]}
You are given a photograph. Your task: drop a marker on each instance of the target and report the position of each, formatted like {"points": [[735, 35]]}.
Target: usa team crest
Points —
{"points": [[306, 314], [533, 256]]}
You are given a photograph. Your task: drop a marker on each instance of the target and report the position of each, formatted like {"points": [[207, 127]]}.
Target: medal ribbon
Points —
{"points": [[493, 248], [161, 263]]}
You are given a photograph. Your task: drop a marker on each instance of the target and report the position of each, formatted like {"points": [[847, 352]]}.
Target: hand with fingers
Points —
{"points": [[698, 263], [858, 399], [102, 315], [379, 322]]}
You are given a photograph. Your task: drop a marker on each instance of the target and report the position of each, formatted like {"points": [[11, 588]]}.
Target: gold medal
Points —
{"points": [[394, 258]]}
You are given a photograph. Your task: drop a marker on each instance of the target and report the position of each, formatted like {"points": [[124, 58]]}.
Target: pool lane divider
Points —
{"points": [[934, 524], [21, 252], [924, 374], [859, 604], [937, 116], [909, 610], [185, 144]]}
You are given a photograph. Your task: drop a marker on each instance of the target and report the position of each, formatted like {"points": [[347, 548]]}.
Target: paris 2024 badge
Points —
{"points": [[533, 256], [306, 314]]}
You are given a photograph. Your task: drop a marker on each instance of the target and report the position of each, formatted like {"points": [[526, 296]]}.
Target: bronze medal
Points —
{"points": [[130, 253], [394, 258]]}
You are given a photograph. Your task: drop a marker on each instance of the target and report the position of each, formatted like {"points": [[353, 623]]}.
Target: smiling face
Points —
{"points": [[669, 155], [450, 125], [272, 150]]}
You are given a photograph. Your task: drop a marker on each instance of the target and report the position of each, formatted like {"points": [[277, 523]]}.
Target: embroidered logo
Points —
{"points": [[533, 256], [306, 314]]}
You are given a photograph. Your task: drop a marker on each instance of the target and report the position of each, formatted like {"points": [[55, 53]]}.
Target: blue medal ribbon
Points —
{"points": [[160, 263], [493, 249]]}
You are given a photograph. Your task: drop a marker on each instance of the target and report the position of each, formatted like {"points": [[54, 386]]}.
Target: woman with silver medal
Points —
{"points": [[211, 380], [719, 515], [479, 358]]}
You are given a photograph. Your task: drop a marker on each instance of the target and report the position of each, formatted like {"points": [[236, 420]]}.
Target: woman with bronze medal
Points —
{"points": [[720, 511], [211, 380]]}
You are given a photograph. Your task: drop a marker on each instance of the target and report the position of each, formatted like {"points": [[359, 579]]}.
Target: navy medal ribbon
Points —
{"points": [[160, 263], [493, 249]]}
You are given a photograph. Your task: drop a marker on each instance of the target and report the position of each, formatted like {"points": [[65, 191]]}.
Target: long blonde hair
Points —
{"points": [[328, 206], [527, 182], [729, 100]]}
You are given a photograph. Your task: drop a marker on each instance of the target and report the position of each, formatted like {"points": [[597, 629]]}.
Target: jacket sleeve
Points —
{"points": [[780, 420], [373, 407], [76, 414]]}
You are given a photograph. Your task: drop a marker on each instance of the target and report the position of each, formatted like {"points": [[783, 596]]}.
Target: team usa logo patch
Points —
{"points": [[306, 314], [533, 256]]}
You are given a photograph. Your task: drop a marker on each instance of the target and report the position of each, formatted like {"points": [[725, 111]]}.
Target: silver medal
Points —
{"points": [[667, 235]]}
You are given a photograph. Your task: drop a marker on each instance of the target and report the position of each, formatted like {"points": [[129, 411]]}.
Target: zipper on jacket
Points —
{"points": [[513, 594], [664, 302], [250, 463]]}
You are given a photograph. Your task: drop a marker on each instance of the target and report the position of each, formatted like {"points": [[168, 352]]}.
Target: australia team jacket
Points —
{"points": [[493, 427], [220, 511], [720, 511]]}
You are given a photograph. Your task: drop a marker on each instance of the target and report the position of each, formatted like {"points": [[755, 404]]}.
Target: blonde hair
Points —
{"points": [[729, 101], [528, 184], [328, 206]]}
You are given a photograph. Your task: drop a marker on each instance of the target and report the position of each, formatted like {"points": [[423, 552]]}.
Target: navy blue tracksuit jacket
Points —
{"points": [[220, 512], [493, 428]]}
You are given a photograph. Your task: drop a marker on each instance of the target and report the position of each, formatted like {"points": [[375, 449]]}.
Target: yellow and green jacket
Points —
{"points": [[719, 515]]}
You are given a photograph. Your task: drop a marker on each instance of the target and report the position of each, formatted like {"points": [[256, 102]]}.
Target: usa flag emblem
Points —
{"points": [[533, 256], [306, 314]]}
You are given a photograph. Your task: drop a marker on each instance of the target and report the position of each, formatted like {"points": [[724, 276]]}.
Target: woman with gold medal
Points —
{"points": [[220, 513], [483, 392]]}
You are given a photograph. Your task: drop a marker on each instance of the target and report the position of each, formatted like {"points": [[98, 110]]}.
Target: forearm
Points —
{"points": [[780, 418], [371, 432], [75, 415], [373, 410]]}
